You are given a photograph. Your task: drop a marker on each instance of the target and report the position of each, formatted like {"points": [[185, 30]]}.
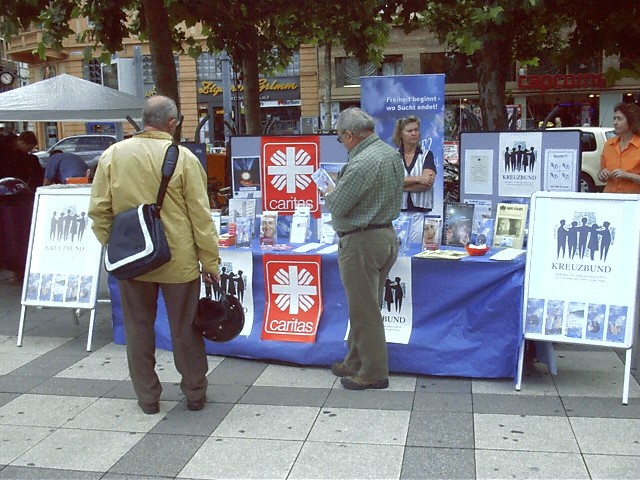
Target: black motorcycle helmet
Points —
{"points": [[221, 320]]}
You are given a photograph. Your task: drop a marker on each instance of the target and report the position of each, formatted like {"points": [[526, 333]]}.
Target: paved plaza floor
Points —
{"points": [[66, 413]]}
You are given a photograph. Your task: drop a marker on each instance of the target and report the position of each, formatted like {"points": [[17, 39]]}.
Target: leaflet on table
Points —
{"points": [[244, 225], [509, 225], [442, 254], [268, 228], [300, 224], [326, 233]]}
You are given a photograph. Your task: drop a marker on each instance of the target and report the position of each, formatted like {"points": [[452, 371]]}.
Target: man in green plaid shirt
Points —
{"points": [[364, 202]]}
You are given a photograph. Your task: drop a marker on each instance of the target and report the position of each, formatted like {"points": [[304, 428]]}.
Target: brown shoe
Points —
{"points": [[196, 405], [357, 383], [340, 370], [149, 408]]}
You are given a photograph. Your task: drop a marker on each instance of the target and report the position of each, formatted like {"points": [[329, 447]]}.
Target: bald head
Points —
{"points": [[160, 113]]}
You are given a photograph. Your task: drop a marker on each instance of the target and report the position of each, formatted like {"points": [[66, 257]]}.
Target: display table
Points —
{"points": [[466, 320]]}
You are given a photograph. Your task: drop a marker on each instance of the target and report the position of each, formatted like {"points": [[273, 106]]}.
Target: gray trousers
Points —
{"points": [[365, 260], [139, 305]]}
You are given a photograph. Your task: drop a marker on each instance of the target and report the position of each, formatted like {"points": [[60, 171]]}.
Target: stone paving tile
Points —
{"points": [[440, 429], [268, 421], [158, 455], [180, 421], [30, 473], [612, 436], [261, 395], [350, 425], [520, 432], [20, 383], [290, 376], [442, 384], [48, 364], [16, 440], [544, 405], [493, 464], [72, 449], [28, 409], [242, 458], [370, 399], [119, 415], [347, 460], [76, 387], [438, 463], [602, 407], [443, 402], [235, 371], [603, 467], [580, 383]]}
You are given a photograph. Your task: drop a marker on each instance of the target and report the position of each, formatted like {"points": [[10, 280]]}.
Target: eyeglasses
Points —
{"points": [[340, 135]]}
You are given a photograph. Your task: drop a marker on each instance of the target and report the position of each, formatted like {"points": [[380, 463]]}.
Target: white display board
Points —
{"points": [[64, 257], [581, 274]]}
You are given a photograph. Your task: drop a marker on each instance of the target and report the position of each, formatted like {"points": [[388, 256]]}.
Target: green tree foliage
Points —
{"points": [[494, 33], [259, 35]]}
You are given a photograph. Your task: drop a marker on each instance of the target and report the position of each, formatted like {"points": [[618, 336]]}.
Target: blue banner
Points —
{"points": [[389, 98]]}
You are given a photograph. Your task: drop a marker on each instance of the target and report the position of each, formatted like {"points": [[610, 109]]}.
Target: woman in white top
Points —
{"points": [[419, 164]]}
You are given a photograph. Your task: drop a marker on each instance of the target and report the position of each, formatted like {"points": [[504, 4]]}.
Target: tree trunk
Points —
{"points": [[493, 66], [327, 87], [251, 86], [161, 49]]}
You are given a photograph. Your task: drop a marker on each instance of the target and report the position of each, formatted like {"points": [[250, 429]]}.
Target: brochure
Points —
{"points": [[243, 207], [268, 231], [431, 233], [402, 225], [323, 180], [457, 224], [300, 224], [509, 225], [243, 231], [326, 234]]}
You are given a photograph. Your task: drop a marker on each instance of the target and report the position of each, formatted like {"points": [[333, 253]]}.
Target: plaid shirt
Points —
{"points": [[369, 187]]}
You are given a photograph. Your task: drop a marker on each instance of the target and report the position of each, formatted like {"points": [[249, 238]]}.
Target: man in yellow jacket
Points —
{"points": [[129, 174]]}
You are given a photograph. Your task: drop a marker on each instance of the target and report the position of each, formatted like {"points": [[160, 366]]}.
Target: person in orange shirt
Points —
{"points": [[620, 161]]}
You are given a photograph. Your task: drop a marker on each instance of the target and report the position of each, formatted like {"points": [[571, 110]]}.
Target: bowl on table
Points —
{"points": [[476, 250]]}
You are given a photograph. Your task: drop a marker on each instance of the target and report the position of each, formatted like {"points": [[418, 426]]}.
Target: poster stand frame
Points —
{"points": [[545, 342], [87, 247]]}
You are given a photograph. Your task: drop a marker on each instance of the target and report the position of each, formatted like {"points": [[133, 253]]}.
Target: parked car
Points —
{"points": [[89, 147], [592, 142]]}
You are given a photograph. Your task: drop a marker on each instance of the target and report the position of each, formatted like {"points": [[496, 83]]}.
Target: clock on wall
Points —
{"points": [[6, 78]]}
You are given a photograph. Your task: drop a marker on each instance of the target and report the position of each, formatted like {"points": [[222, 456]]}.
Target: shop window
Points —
{"points": [[208, 67], [148, 75], [291, 70], [456, 66], [349, 71]]}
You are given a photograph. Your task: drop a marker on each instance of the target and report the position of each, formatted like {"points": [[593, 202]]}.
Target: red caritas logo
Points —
{"points": [[293, 297], [287, 164]]}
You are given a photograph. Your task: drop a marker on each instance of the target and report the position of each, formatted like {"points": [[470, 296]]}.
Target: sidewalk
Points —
{"points": [[66, 413]]}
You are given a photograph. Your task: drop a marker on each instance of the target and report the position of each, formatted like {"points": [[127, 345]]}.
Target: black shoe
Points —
{"points": [[357, 383], [150, 408], [340, 370], [196, 405]]}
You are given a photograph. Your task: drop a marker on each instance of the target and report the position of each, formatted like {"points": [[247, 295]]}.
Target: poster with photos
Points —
{"points": [[64, 257], [581, 279], [457, 224]]}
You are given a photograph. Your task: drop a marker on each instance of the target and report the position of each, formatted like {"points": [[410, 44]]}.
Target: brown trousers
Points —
{"points": [[139, 305]]}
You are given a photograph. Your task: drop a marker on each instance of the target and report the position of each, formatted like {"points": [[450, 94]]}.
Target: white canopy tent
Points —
{"points": [[66, 98]]}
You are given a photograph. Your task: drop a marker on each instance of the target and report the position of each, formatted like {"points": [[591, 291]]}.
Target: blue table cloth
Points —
{"points": [[466, 320]]}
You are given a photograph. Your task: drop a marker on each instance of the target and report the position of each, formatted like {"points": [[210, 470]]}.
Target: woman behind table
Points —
{"points": [[419, 166], [620, 161]]}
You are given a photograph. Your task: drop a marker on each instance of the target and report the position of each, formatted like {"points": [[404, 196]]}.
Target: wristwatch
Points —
{"points": [[6, 78]]}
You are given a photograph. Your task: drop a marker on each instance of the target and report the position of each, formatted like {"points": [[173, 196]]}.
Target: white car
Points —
{"points": [[592, 142], [89, 147]]}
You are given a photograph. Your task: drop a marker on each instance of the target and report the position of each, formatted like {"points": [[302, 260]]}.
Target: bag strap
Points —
{"points": [[168, 167]]}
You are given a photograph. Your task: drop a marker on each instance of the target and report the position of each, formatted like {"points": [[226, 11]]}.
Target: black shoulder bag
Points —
{"points": [[137, 242]]}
